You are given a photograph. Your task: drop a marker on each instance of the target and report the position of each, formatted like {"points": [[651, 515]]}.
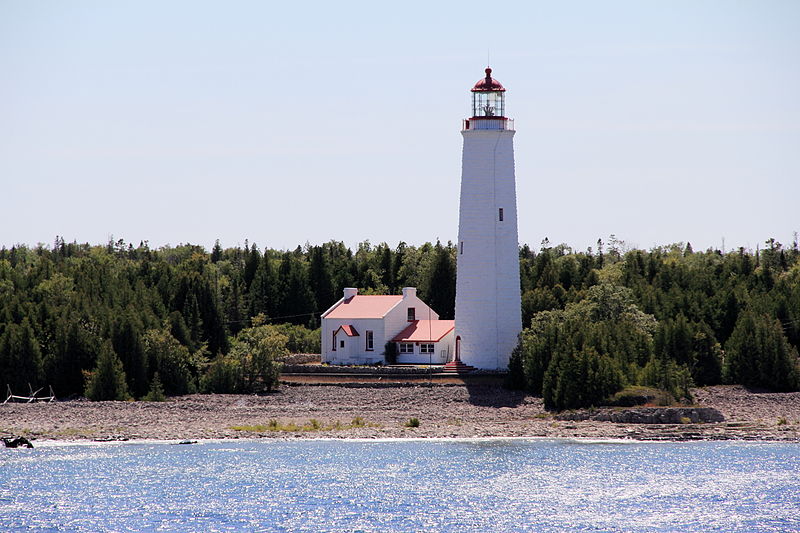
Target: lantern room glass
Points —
{"points": [[488, 104]]}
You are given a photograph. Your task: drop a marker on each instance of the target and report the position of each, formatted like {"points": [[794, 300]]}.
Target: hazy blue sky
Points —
{"points": [[294, 122]]}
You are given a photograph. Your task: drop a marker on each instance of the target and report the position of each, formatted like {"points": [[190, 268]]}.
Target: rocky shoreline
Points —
{"points": [[386, 411]]}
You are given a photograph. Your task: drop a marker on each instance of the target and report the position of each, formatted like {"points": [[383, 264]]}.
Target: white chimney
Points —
{"points": [[349, 292], [409, 292]]}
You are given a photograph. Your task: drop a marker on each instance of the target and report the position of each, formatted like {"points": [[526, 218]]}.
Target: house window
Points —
{"points": [[334, 342], [426, 348], [369, 340], [500, 214], [411, 314], [341, 344], [461, 247], [406, 347]]}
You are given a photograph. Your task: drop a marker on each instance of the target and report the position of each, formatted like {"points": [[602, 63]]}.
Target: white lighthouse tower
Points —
{"points": [[488, 304]]}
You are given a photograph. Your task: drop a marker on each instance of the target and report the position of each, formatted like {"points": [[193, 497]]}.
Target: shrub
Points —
{"points": [[156, 393], [582, 379], [390, 353], [224, 376], [638, 395], [412, 422], [107, 381]]}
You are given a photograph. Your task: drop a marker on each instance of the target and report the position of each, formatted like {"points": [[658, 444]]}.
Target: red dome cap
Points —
{"points": [[488, 83]]}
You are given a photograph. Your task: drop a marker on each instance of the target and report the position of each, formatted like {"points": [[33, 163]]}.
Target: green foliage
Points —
{"points": [[107, 382], [659, 317], [171, 361], [20, 356], [578, 356], [253, 363], [580, 379], [667, 375], [390, 352], [299, 339], [412, 422], [156, 392], [441, 283], [224, 376], [758, 354], [634, 395], [60, 304]]}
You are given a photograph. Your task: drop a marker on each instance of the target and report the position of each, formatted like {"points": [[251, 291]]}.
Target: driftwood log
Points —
{"points": [[16, 442]]}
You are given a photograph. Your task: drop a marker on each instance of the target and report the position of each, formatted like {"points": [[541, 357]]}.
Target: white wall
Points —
{"points": [[384, 329], [488, 306], [355, 351], [442, 352]]}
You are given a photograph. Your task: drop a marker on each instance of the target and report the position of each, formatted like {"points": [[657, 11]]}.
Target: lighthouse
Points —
{"points": [[488, 306]]}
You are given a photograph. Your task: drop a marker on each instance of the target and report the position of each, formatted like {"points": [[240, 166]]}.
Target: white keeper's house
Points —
{"points": [[356, 329]]}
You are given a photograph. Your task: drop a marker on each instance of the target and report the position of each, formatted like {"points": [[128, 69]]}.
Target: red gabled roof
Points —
{"points": [[365, 306], [425, 331], [349, 330]]}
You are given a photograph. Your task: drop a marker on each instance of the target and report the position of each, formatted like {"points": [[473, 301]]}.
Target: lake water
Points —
{"points": [[417, 485]]}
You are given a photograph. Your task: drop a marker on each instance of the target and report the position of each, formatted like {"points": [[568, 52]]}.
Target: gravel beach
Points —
{"points": [[346, 411]]}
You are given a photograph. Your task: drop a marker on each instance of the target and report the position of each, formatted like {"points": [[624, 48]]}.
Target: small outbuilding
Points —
{"points": [[357, 328]]}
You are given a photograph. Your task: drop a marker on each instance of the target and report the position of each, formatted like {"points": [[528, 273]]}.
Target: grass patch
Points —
{"points": [[310, 426], [782, 421], [641, 396], [74, 432]]}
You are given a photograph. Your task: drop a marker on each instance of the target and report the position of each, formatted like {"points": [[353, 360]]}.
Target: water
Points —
{"points": [[447, 485]]}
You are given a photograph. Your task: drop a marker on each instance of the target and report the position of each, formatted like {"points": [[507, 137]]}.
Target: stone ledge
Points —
{"points": [[647, 415]]}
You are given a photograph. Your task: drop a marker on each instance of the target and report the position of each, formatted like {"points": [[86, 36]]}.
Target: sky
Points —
{"points": [[302, 122]]}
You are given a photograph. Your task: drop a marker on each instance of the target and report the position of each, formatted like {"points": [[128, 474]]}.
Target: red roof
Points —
{"points": [[488, 83], [349, 330], [425, 331], [365, 306]]}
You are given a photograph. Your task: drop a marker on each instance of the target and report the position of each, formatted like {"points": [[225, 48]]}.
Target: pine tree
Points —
{"points": [[127, 343], [107, 382], [759, 355], [216, 252], [442, 283]]}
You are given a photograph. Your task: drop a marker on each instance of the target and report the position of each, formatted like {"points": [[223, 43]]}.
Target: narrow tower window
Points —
{"points": [[461, 247], [500, 214]]}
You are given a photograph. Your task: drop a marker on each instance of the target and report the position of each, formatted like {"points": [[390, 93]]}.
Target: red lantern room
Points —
{"points": [[488, 106], [488, 98]]}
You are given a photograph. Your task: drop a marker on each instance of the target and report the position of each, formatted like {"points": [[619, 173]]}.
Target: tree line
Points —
{"points": [[119, 321], [668, 318]]}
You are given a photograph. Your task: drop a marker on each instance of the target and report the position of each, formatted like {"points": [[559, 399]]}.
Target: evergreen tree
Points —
{"points": [[171, 361], [126, 340], [263, 290], [108, 381], [20, 357], [251, 265], [442, 283], [759, 355], [216, 252], [320, 279]]}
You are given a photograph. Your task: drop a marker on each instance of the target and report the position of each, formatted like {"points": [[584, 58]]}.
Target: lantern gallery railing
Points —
{"points": [[480, 123]]}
